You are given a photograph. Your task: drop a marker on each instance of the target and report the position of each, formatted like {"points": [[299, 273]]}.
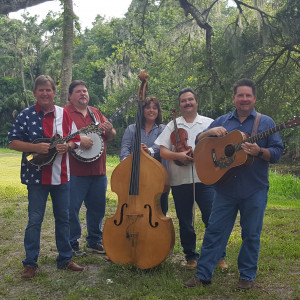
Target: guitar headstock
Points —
{"points": [[292, 122]]}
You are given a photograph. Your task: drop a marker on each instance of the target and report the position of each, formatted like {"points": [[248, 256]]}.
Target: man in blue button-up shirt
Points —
{"points": [[246, 191]]}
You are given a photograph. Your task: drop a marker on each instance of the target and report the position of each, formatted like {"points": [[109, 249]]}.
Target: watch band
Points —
{"points": [[260, 153]]}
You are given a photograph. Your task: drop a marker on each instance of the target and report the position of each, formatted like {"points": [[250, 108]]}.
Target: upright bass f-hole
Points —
{"points": [[150, 216], [121, 215]]}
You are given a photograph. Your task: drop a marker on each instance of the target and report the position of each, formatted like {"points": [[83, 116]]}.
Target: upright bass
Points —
{"points": [[139, 233]]}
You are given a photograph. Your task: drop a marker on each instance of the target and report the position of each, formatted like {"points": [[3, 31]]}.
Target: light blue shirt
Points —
{"points": [[129, 138]]}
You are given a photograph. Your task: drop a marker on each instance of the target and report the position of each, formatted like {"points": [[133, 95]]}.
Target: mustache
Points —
{"points": [[188, 105]]}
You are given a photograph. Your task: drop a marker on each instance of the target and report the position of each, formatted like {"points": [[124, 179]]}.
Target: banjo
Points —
{"points": [[91, 154]]}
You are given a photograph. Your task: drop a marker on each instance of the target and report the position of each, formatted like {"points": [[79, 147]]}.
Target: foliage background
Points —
{"points": [[258, 39]]}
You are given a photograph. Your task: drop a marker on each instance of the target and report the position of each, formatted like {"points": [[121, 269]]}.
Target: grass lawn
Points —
{"points": [[277, 277]]}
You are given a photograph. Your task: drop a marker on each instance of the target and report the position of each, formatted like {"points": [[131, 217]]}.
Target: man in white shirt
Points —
{"points": [[183, 178]]}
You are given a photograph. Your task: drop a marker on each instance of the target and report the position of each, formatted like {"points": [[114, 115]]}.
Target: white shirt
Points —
{"points": [[182, 174]]}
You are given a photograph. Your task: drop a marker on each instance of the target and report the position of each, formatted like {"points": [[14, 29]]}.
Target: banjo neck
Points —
{"points": [[116, 114]]}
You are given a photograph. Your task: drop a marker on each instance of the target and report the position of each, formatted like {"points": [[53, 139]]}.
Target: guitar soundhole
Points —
{"points": [[229, 150]]}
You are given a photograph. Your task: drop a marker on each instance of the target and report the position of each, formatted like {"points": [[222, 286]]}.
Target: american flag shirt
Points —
{"points": [[31, 124]]}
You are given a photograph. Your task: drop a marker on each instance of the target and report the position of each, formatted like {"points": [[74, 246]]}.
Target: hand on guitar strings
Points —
{"points": [[251, 149]]}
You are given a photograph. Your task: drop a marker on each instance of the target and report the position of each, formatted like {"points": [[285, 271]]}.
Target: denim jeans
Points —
{"points": [[37, 199], [92, 191], [164, 202], [221, 222], [184, 201]]}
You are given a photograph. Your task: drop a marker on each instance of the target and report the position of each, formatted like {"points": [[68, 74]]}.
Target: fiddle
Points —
{"points": [[179, 139]]}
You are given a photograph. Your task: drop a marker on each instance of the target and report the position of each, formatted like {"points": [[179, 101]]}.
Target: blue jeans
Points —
{"points": [[92, 191], [37, 199], [221, 222], [184, 201], [164, 202]]}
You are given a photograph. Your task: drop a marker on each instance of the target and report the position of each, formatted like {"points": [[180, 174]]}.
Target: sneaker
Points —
{"points": [[191, 264], [98, 248], [77, 251]]}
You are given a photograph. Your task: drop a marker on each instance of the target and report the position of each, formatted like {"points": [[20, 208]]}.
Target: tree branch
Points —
{"points": [[8, 6]]}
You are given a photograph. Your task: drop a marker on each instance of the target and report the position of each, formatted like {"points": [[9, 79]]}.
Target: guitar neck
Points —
{"points": [[261, 135]]}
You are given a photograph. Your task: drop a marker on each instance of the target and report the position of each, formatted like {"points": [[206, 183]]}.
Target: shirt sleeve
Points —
{"points": [[127, 143], [18, 130], [164, 138], [155, 149], [274, 142]]}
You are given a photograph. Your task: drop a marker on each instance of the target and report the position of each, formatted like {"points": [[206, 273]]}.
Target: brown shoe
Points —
{"points": [[245, 284], [195, 281], [222, 264], [73, 266], [191, 264], [28, 272]]}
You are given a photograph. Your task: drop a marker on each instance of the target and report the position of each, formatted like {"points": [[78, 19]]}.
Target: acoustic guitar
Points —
{"points": [[40, 160], [216, 157]]}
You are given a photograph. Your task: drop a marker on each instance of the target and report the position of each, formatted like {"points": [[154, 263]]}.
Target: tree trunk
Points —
{"points": [[67, 51]]}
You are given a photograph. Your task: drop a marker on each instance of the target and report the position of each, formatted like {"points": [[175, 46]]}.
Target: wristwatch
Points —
{"points": [[260, 153]]}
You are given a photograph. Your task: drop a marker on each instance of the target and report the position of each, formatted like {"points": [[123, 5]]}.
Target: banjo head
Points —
{"points": [[93, 153]]}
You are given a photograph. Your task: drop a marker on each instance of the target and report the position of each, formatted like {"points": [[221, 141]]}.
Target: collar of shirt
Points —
{"points": [[39, 111], [235, 115], [72, 108], [181, 120]]}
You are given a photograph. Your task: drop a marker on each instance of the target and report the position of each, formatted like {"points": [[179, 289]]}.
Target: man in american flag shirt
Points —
{"points": [[45, 120]]}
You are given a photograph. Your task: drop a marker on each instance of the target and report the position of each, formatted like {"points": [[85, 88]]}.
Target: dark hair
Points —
{"points": [[186, 90], [244, 82], [155, 101], [74, 83], [42, 80]]}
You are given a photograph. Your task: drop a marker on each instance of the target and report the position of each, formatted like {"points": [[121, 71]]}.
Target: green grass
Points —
{"points": [[277, 277]]}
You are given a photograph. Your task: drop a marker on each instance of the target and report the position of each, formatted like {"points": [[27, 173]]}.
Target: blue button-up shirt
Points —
{"points": [[129, 138], [247, 180]]}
